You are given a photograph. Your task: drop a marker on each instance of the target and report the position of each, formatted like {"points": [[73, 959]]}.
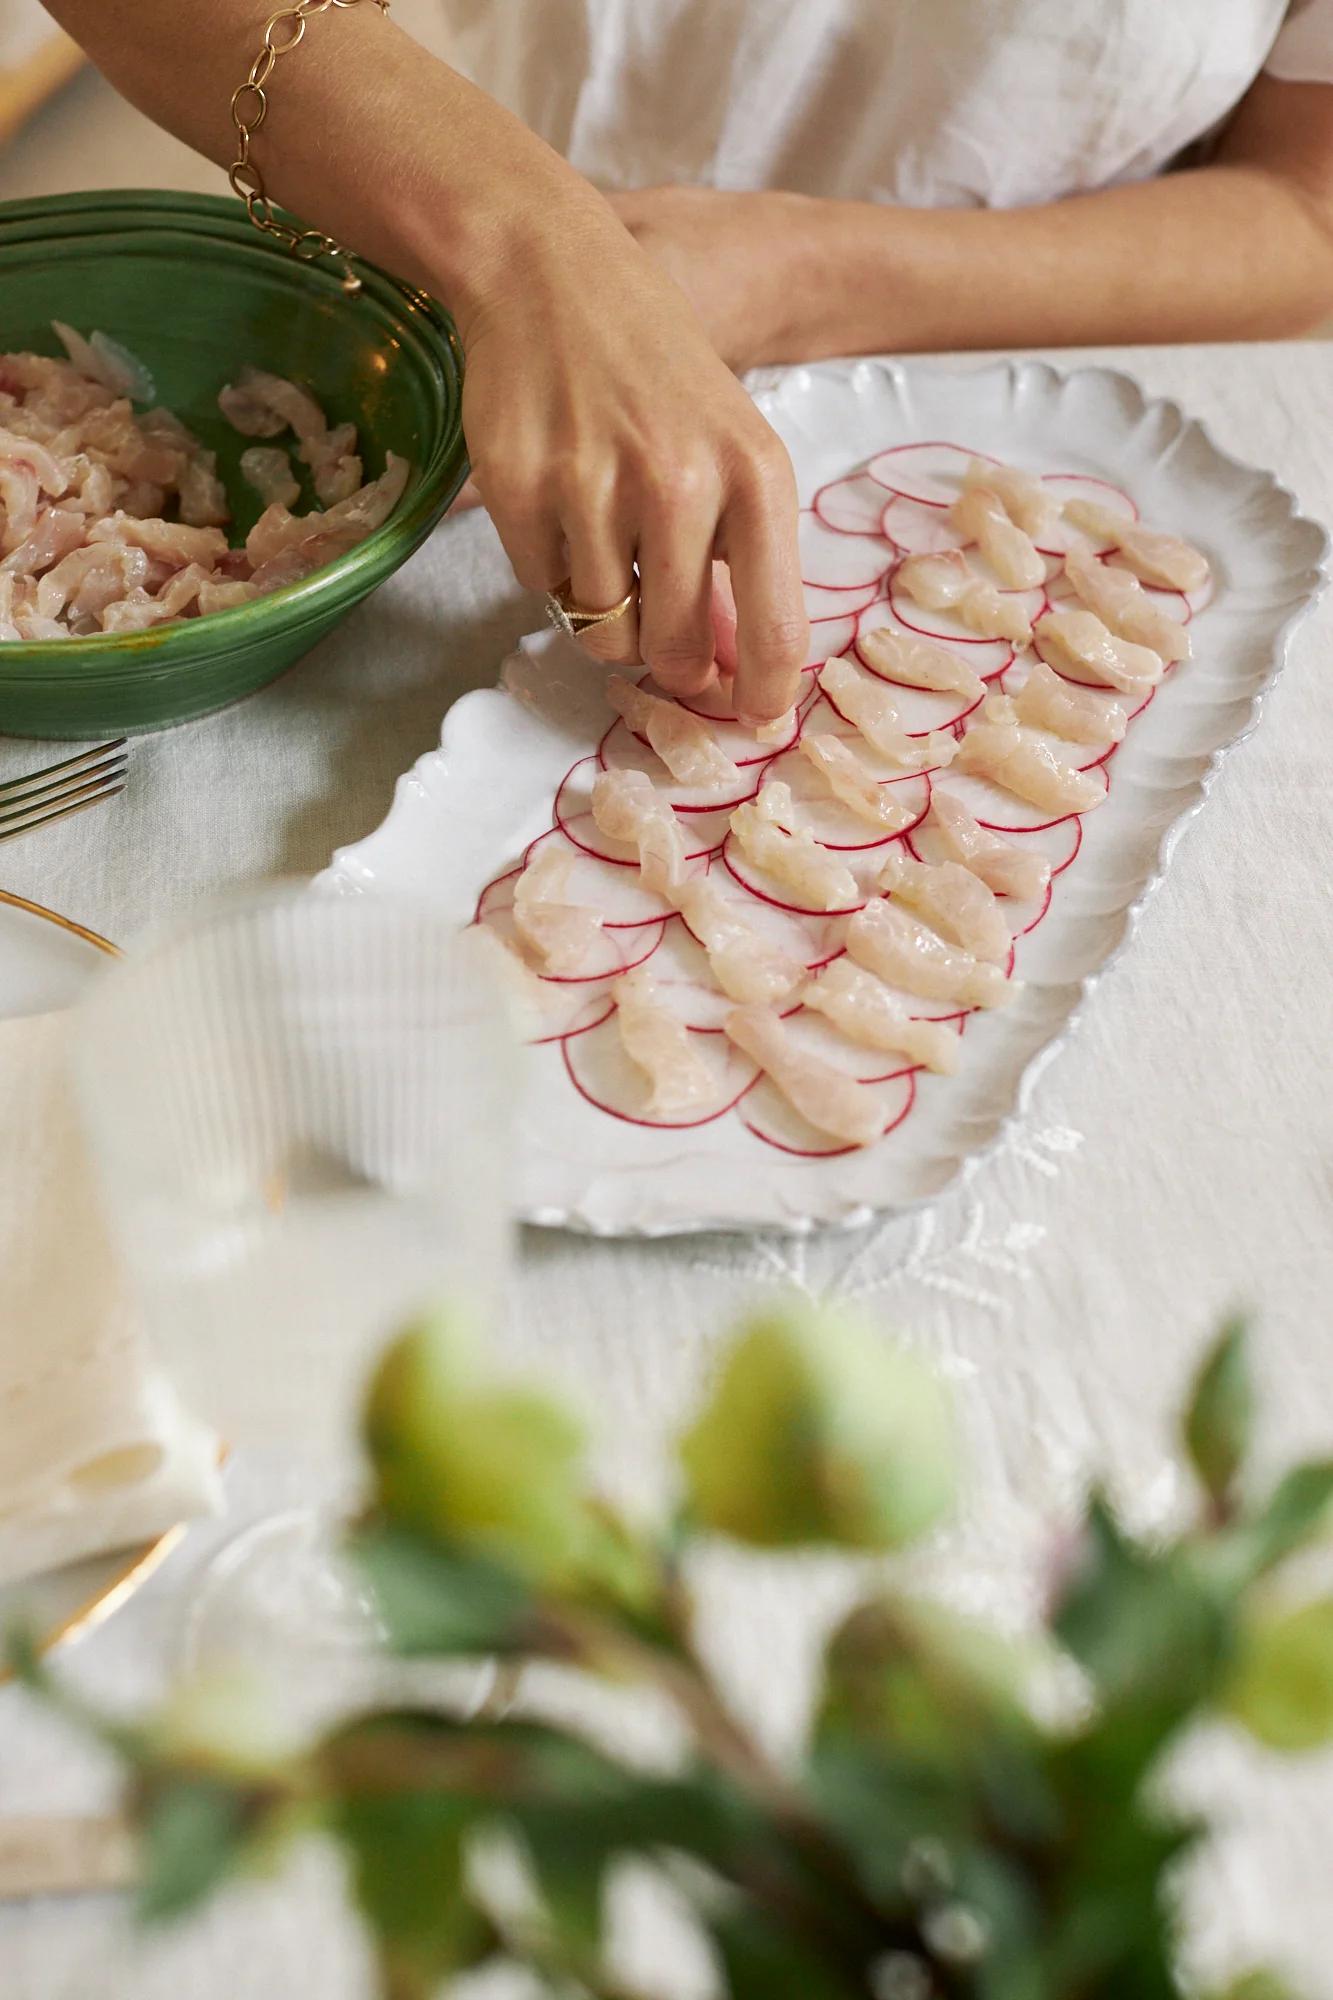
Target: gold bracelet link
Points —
{"points": [[283, 32]]}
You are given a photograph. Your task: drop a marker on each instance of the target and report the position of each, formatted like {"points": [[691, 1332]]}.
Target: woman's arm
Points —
{"points": [[1239, 249], [601, 425]]}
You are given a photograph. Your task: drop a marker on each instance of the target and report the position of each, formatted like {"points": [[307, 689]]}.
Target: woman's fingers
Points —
{"points": [[759, 542], [676, 583], [601, 569]]}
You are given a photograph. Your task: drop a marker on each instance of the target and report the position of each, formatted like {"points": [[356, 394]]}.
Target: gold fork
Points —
{"points": [[69, 786]]}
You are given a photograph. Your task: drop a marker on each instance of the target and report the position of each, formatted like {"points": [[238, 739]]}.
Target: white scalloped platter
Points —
{"points": [[466, 815]]}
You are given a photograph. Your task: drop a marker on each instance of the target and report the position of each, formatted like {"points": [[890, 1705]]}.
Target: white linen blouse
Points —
{"points": [[927, 102]]}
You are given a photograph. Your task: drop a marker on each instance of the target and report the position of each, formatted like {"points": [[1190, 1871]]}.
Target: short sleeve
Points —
{"points": [[1303, 51]]}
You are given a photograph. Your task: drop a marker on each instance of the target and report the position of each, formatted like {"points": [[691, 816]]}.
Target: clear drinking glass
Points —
{"points": [[300, 1108]]}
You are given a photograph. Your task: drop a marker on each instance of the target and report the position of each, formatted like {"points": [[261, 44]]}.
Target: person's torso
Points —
{"points": [[928, 102]]}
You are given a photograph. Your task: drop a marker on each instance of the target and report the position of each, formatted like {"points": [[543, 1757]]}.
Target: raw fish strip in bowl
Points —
{"points": [[82, 468]]}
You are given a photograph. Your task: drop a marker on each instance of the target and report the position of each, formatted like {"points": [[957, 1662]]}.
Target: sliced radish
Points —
{"points": [[990, 805], [930, 473], [1083, 754], [621, 750], [704, 832], [573, 1011], [683, 980], [734, 739], [1081, 486], [1178, 604], [775, 894], [816, 1036], [831, 636], [851, 506], [838, 561], [822, 605], [833, 824], [988, 656], [919, 527], [619, 949], [767, 1114], [1069, 670], [601, 1072], [620, 896], [717, 702], [922, 709], [811, 940]]}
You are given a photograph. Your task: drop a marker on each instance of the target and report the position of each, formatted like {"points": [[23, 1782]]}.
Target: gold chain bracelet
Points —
{"points": [[283, 32]]}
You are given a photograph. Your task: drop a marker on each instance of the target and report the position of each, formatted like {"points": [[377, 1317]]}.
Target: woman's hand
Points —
{"points": [[604, 430], [747, 263]]}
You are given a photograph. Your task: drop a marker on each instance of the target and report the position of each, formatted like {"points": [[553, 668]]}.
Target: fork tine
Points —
{"points": [[76, 799], [31, 792], [66, 764]]}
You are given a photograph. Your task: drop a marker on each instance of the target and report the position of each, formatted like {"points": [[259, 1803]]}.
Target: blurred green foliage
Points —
{"points": [[975, 1816]]}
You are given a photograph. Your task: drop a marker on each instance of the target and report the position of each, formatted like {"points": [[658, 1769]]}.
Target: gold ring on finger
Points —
{"points": [[574, 618]]}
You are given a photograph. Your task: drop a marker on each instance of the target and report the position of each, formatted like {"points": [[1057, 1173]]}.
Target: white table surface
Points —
{"points": [[1178, 1158]]}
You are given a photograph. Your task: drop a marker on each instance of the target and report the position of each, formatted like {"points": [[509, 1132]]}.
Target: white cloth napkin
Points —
{"points": [[95, 1452]]}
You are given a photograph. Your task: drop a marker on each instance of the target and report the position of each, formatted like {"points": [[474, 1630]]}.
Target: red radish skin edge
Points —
{"points": [[957, 638], [712, 806], [792, 909], [836, 1152], [653, 1124], [925, 444]]}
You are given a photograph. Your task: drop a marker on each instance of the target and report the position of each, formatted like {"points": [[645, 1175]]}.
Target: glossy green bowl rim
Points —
{"points": [[437, 480]]}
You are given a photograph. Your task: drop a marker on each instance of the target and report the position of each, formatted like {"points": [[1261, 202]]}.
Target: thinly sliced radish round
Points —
{"points": [[922, 709], [616, 893], [1021, 915], [853, 505], [990, 805], [919, 527], [1081, 486], [810, 940], [601, 1072], [1081, 754], [619, 949], [831, 636], [716, 703], [734, 739], [1178, 604], [822, 605], [621, 750], [833, 824], [1133, 704], [930, 473], [816, 1036], [775, 894], [988, 656], [704, 832], [767, 1114], [683, 980], [574, 1012], [838, 561]]}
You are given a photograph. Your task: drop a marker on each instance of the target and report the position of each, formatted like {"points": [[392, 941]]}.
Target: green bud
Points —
{"points": [[818, 1431], [1281, 1688], [1221, 1414], [474, 1462]]}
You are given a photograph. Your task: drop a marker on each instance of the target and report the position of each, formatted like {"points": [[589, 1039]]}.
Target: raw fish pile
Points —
{"points": [[113, 518], [794, 928]]}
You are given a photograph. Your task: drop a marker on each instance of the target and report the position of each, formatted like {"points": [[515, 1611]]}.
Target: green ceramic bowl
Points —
{"points": [[195, 292]]}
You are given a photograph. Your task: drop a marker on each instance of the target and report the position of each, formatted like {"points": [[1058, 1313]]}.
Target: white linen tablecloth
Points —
{"points": [[1177, 1159]]}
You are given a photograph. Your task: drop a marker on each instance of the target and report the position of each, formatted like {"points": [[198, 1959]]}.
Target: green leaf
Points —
{"points": [[819, 1432], [1147, 1626], [761, 1960], [1282, 1686], [476, 1464], [923, 1734], [439, 1600], [408, 1857], [1299, 1511], [1221, 1414], [194, 1833]]}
